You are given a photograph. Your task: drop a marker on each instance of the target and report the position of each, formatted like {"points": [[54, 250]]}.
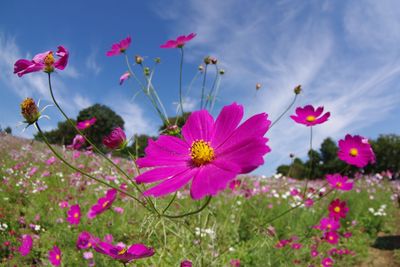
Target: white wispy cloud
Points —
{"points": [[340, 53], [91, 62]]}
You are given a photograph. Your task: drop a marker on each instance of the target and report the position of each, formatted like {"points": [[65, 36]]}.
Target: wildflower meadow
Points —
{"points": [[189, 196]]}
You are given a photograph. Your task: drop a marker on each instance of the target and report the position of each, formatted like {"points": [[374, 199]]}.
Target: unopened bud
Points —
{"points": [[221, 72], [146, 71], [29, 110], [258, 86], [157, 60], [207, 60], [201, 68], [297, 89], [139, 59], [291, 155]]}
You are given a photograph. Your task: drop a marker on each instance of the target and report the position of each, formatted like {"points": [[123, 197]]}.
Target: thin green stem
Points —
{"points": [[203, 86], [284, 112], [310, 165], [205, 204], [213, 87], [169, 204], [83, 172], [180, 82]]}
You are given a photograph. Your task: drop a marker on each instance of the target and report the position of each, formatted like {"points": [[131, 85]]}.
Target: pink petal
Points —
{"points": [[226, 123], [171, 185], [63, 54], [159, 174], [199, 126]]}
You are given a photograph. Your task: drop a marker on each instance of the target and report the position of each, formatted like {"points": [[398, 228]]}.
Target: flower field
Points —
{"points": [[239, 227]]}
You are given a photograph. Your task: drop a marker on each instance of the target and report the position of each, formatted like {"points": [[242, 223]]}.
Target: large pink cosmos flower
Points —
{"points": [[55, 256], [77, 143], [123, 254], [310, 116], [338, 209], [211, 153], [103, 204], [74, 214], [26, 245], [339, 182], [119, 48], [82, 125], [179, 42], [355, 150], [44, 61], [116, 139], [329, 224]]}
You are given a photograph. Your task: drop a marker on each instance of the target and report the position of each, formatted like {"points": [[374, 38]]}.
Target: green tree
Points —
{"points": [[387, 152], [62, 135]]}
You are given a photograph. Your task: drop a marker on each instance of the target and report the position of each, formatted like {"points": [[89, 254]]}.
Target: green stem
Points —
{"points": [[203, 86], [180, 82], [191, 212], [213, 87], [83, 172], [169, 204], [310, 165], [284, 112]]}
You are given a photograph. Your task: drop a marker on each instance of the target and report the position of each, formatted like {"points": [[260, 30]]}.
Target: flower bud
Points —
{"points": [[139, 59], [146, 71], [258, 86], [29, 110], [297, 89], [116, 139], [157, 60], [221, 72], [200, 68], [207, 60]]}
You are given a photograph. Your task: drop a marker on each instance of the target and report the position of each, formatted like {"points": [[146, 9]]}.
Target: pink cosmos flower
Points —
{"points": [[63, 204], [123, 254], [103, 204], [314, 253], [82, 125], [235, 263], [44, 61], [355, 150], [77, 142], [339, 182], [116, 139], [74, 214], [124, 77], [186, 263], [338, 209], [235, 184], [310, 116], [331, 237], [51, 160], [347, 235], [309, 202], [296, 246], [179, 42], [84, 240], [55, 256], [26, 245], [329, 224], [119, 48], [211, 153], [327, 262]]}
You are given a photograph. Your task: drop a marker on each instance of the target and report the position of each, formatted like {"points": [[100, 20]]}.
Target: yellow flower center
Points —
{"points": [[29, 110], [336, 209], [354, 152], [58, 257], [105, 204], [330, 237], [49, 62], [87, 124], [122, 251], [310, 118], [329, 226], [339, 184], [201, 152], [76, 215]]}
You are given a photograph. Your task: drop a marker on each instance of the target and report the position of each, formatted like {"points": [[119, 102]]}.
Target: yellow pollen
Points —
{"points": [[339, 184], [354, 152], [58, 257], [89, 245], [201, 152], [330, 237], [336, 209], [87, 124], [76, 215], [310, 118], [329, 226], [122, 251], [105, 204], [49, 59]]}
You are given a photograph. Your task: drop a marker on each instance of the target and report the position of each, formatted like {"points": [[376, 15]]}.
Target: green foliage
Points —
{"points": [[8, 130], [387, 152], [62, 135], [177, 120]]}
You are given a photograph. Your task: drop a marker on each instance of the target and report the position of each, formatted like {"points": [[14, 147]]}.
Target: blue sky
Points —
{"points": [[344, 53]]}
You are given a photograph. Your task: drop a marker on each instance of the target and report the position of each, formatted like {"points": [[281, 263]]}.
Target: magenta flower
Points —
{"points": [[310, 116], [179, 42], [339, 182], [74, 214], [103, 204], [51, 160], [42, 62], [55, 256], [84, 240], [82, 125], [327, 262], [355, 150], [77, 142], [124, 77], [234, 262], [120, 47], [329, 224], [26, 245], [210, 155], [123, 254], [186, 263], [116, 139], [338, 209], [332, 237]]}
